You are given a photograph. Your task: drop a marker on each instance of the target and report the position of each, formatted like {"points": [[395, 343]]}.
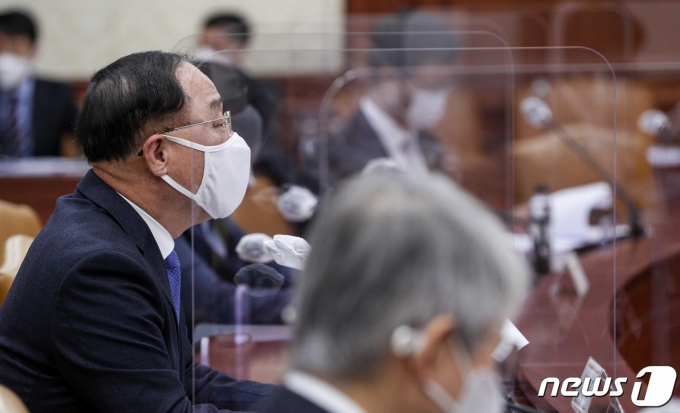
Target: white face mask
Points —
{"points": [[426, 108], [226, 171], [13, 70], [481, 392]]}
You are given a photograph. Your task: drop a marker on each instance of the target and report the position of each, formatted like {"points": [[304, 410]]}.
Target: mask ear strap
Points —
{"points": [[439, 396], [179, 188]]}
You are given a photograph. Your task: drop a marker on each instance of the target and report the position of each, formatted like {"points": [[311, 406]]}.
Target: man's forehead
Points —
{"points": [[196, 84]]}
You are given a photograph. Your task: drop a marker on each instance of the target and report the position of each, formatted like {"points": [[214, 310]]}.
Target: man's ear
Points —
{"points": [[436, 336], [155, 154]]}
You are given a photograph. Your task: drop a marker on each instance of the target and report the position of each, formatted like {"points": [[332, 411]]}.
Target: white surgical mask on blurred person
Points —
{"points": [[14, 69], [226, 171], [426, 108], [297, 204], [481, 392], [251, 248]]}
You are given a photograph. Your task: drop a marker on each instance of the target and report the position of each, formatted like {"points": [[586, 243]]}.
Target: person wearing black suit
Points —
{"points": [[36, 115], [215, 243], [407, 95], [207, 298], [229, 34], [360, 143], [94, 320]]}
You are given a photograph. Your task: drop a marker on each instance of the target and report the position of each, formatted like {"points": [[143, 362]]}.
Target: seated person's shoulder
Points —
{"points": [[53, 89], [79, 228]]}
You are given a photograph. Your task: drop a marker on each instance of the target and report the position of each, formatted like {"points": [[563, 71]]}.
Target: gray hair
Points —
{"points": [[394, 249]]}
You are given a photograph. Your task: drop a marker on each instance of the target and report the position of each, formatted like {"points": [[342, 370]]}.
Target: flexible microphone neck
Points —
{"points": [[636, 228]]}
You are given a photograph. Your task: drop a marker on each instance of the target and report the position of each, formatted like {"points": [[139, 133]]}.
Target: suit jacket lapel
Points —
{"points": [[99, 192], [41, 107]]}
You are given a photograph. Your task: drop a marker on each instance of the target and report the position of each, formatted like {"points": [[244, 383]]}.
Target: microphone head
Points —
{"points": [[259, 276], [653, 122], [536, 112]]}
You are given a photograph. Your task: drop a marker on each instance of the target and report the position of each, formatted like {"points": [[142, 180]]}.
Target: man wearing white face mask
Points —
{"points": [[224, 41], [37, 116], [401, 301], [94, 320], [407, 95]]}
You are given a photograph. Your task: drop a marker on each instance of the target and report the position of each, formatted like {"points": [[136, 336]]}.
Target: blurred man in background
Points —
{"points": [[230, 34], [407, 95], [401, 302], [37, 116]]}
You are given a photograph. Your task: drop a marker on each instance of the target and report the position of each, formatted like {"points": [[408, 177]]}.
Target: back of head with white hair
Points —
{"points": [[393, 249]]}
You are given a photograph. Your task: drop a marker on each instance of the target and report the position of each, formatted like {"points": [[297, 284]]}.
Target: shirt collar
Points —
{"points": [[392, 135], [163, 238], [320, 393]]}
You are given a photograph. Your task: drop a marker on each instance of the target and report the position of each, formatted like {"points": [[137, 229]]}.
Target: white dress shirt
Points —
{"points": [[163, 238], [399, 143], [320, 393]]}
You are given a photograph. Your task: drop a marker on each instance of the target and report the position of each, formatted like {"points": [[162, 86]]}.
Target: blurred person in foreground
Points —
{"points": [[400, 304], [224, 40], [408, 86], [94, 320], [37, 116]]}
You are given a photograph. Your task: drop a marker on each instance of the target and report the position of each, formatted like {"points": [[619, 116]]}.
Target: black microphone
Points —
{"points": [[538, 114]]}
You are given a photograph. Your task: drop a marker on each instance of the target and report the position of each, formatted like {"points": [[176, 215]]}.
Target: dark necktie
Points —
{"points": [[11, 142], [174, 276]]}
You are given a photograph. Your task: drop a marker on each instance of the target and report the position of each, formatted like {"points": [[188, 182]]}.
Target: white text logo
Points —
{"points": [[659, 389]]}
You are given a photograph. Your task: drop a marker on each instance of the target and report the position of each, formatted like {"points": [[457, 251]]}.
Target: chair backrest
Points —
{"points": [[545, 160], [17, 219], [10, 402], [16, 248]]}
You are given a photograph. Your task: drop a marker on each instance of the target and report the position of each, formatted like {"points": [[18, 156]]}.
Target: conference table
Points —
{"points": [[628, 319], [563, 330], [38, 182]]}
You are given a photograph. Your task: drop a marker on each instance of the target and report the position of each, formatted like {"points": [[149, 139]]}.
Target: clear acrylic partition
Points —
{"points": [[648, 301], [478, 102], [642, 45]]}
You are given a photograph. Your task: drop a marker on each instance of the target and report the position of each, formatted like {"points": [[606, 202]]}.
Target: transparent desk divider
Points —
{"points": [[500, 121]]}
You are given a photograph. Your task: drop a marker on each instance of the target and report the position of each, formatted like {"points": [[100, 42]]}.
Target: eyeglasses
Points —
{"points": [[226, 117]]}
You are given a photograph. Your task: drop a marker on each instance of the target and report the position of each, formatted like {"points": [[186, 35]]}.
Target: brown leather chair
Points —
{"points": [[16, 248], [547, 160], [17, 219], [258, 211], [589, 99], [10, 402]]}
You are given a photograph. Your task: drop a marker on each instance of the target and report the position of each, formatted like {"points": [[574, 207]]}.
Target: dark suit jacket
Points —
{"points": [[359, 143], [89, 325], [207, 298], [231, 234], [285, 401], [54, 114]]}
